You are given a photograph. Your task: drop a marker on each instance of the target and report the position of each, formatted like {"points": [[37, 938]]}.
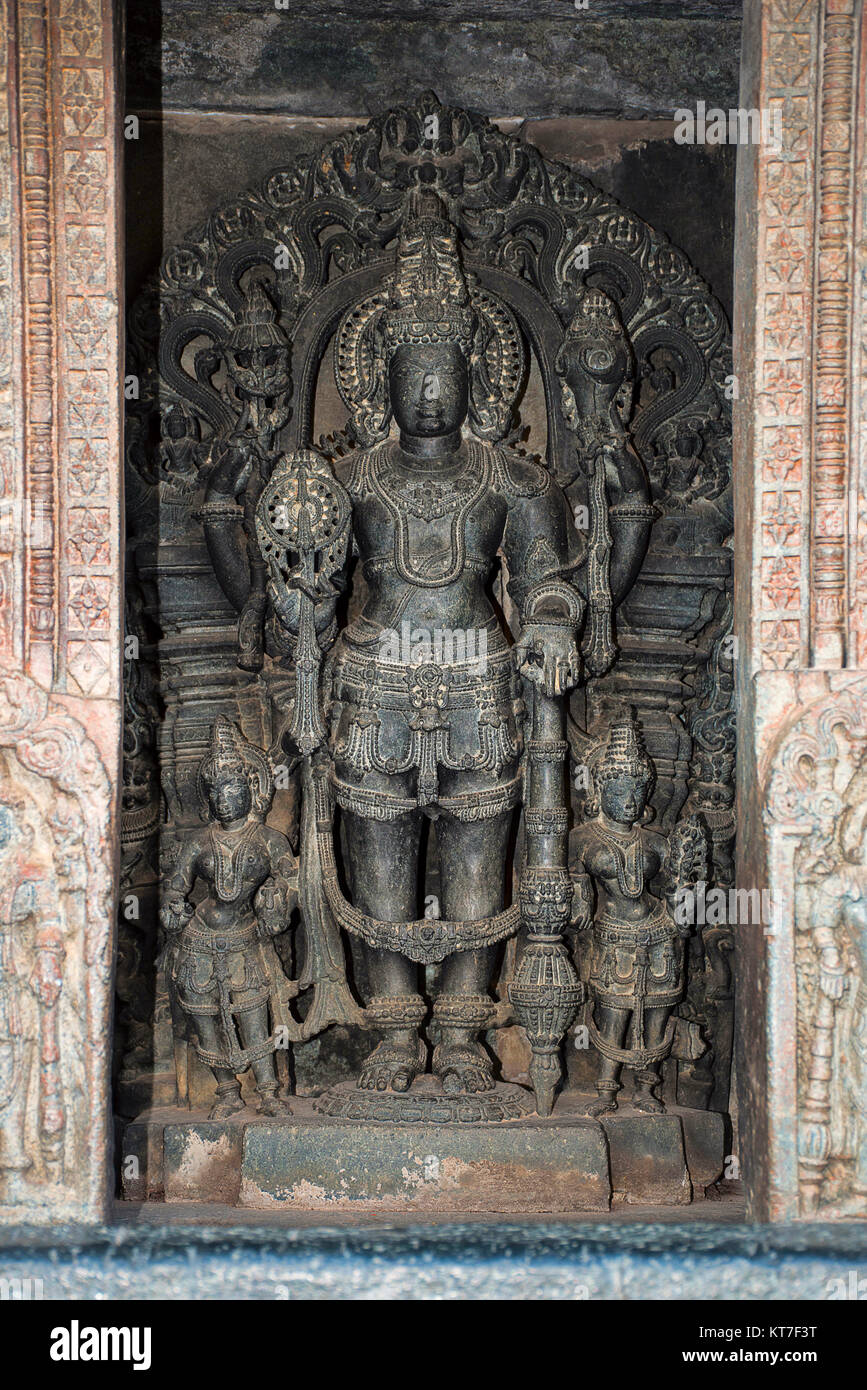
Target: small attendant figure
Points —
{"points": [[637, 968], [225, 967]]}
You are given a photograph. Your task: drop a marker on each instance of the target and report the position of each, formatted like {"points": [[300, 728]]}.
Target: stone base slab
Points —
{"points": [[308, 1161], [519, 1166]]}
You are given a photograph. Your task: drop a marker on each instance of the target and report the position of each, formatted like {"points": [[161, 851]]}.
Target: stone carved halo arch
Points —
{"points": [[533, 233]]}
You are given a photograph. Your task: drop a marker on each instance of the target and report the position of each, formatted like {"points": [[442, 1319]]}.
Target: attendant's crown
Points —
{"points": [[226, 753], [230, 754], [624, 753]]}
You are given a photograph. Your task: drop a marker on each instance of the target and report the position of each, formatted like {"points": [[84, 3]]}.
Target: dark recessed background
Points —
{"points": [[227, 89]]}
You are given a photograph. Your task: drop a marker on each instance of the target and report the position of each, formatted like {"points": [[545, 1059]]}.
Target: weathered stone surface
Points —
{"points": [[141, 1168], [60, 595], [310, 1162], [704, 1133], [801, 522], [341, 60], [59, 605], [648, 1163], [202, 1162], [517, 1261], [521, 1166]]}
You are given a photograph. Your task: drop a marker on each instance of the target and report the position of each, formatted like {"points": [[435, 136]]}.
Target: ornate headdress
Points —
{"points": [[230, 754], [429, 300], [622, 754]]}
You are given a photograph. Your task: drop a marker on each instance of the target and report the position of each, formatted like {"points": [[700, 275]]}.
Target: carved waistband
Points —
{"points": [[375, 564], [216, 942], [374, 804], [362, 634], [659, 926], [384, 685]]}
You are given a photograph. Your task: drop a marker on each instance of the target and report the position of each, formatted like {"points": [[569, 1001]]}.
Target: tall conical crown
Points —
{"points": [[428, 301], [624, 752], [231, 754], [225, 753]]}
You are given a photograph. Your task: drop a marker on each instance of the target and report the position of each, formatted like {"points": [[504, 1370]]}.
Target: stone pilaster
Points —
{"points": [[801, 517], [60, 600]]}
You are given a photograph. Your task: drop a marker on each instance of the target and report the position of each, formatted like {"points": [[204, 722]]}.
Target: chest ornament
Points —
{"points": [[234, 864], [628, 859], [430, 499]]}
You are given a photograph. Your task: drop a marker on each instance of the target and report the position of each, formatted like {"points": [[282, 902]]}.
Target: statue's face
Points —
{"points": [[230, 798], [624, 798], [429, 387]]}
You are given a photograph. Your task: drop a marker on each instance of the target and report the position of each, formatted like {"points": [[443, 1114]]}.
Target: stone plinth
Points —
{"points": [[518, 1166], [311, 1161]]}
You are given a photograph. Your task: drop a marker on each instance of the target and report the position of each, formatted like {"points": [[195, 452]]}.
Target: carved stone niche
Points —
{"points": [[233, 343]]}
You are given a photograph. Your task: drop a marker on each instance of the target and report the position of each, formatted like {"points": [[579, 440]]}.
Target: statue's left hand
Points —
{"points": [[274, 905], [547, 655]]}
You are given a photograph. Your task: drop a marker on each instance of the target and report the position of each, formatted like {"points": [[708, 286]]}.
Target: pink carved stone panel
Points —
{"points": [[60, 601], [801, 539]]}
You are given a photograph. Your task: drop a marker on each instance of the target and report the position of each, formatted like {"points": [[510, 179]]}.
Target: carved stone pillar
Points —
{"points": [[60, 601], [801, 541]]}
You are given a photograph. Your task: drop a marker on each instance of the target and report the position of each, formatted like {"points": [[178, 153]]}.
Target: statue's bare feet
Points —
{"points": [[605, 1105], [228, 1103], [647, 1103], [390, 1066], [270, 1103], [462, 1067]]}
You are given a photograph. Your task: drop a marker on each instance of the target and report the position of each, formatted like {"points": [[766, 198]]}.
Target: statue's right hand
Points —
{"points": [[286, 603], [581, 919], [581, 916], [175, 912]]}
